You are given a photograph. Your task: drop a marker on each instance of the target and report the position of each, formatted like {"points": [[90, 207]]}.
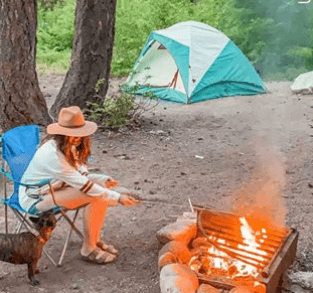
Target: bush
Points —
{"points": [[120, 110], [114, 111]]}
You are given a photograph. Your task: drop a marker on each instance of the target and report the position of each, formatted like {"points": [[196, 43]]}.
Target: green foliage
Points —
{"points": [[280, 40], [52, 57], [56, 26], [132, 29], [288, 74], [276, 36], [99, 84], [49, 4], [114, 111], [55, 33], [119, 111]]}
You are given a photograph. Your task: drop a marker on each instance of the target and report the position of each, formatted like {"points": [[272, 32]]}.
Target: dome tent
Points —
{"points": [[191, 62]]}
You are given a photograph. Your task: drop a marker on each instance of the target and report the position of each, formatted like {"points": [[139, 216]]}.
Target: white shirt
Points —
{"points": [[50, 163]]}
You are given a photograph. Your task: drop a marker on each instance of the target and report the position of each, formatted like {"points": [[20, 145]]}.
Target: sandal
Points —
{"points": [[107, 247], [99, 256]]}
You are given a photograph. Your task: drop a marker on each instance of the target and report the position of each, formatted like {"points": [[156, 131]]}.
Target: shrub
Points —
{"points": [[122, 109], [114, 111]]}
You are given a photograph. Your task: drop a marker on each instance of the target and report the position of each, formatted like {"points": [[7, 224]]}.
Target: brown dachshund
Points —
{"points": [[26, 248]]}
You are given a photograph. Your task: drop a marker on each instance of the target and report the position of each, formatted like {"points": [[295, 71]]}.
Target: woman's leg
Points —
{"points": [[94, 212]]}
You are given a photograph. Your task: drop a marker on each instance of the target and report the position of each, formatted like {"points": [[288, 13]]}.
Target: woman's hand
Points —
{"points": [[127, 200], [110, 183]]}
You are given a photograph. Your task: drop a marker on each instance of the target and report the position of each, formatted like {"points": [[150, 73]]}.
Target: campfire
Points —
{"points": [[246, 251], [229, 251]]}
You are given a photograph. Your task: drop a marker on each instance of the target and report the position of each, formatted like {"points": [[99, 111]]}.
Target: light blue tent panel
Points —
{"points": [[230, 75]]}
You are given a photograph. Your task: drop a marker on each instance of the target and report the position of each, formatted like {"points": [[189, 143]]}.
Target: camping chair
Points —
{"points": [[19, 145]]}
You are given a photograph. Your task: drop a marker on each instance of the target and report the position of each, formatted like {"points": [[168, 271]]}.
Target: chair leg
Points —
{"points": [[21, 221], [5, 207], [67, 240], [72, 224], [50, 258], [18, 228]]}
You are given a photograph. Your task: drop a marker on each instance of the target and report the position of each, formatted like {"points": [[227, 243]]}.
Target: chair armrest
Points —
{"points": [[9, 175]]}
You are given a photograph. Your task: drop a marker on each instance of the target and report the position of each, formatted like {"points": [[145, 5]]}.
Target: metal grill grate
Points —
{"points": [[274, 252]]}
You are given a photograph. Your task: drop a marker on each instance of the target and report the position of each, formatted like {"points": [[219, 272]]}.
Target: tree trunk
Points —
{"points": [[21, 101], [92, 54]]}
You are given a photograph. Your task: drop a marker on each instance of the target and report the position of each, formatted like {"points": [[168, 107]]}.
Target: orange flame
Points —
{"points": [[215, 262]]}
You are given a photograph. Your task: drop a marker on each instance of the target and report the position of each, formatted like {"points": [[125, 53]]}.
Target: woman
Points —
{"points": [[62, 158]]}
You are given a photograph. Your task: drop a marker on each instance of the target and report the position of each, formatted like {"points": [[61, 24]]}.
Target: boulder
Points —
{"points": [[303, 84], [178, 278], [183, 230], [174, 252]]}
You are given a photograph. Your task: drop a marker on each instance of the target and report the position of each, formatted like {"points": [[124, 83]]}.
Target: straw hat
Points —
{"points": [[72, 122]]}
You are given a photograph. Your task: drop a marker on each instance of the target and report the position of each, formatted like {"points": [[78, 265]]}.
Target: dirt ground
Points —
{"points": [[207, 152]]}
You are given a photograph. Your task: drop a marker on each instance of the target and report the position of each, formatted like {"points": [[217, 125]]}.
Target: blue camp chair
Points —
{"points": [[19, 145]]}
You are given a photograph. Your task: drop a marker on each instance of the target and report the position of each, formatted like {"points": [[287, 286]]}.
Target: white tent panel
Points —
{"points": [[180, 34]]}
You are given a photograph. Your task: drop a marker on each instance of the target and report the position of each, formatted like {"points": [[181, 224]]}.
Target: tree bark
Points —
{"points": [[21, 101], [92, 54]]}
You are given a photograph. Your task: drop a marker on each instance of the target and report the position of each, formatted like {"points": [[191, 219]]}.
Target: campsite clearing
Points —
{"points": [[204, 151]]}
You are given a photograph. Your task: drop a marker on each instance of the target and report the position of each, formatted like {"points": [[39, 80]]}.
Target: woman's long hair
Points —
{"points": [[83, 151]]}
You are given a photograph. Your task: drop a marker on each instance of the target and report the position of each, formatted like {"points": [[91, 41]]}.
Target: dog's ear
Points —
{"points": [[34, 220]]}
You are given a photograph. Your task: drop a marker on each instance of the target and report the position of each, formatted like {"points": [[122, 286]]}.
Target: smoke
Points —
{"points": [[263, 196]]}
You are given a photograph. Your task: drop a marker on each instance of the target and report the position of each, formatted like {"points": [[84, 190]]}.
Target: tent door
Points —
{"points": [[157, 69]]}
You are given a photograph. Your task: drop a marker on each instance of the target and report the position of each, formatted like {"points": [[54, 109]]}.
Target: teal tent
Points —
{"points": [[191, 62]]}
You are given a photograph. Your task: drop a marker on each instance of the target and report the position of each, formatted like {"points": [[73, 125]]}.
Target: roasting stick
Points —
{"points": [[191, 206], [157, 201], [139, 198], [152, 200]]}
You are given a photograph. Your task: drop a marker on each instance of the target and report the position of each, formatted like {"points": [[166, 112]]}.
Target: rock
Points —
{"points": [[297, 289], [304, 279], [183, 231], [303, 84], [75, 286], [174, 252], [178, 278], [205, 288], [166, 259]]}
